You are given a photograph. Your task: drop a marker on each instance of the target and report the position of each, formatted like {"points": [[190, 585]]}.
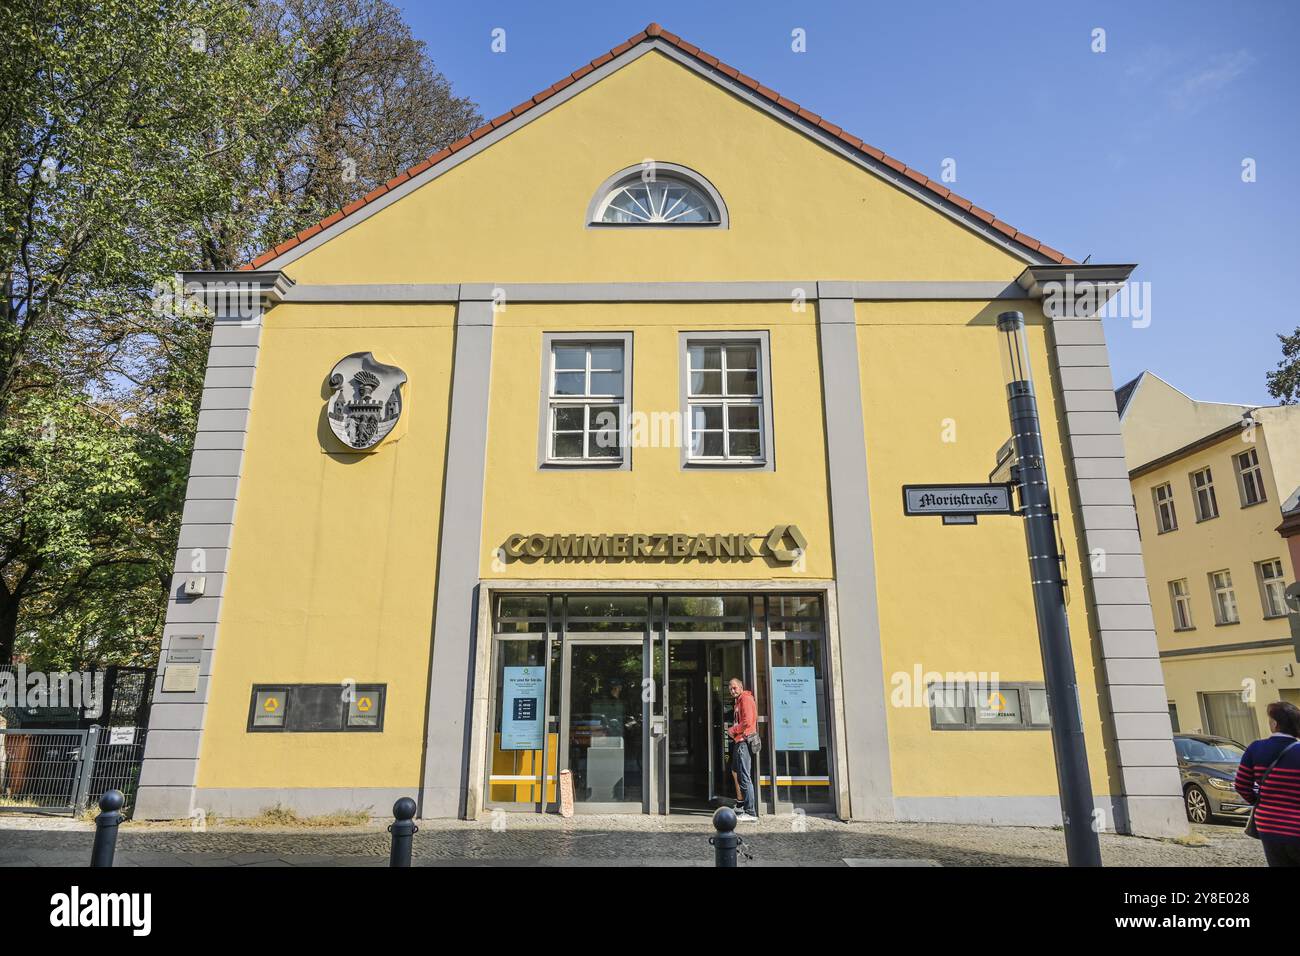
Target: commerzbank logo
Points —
{"points": [[784, 544]]}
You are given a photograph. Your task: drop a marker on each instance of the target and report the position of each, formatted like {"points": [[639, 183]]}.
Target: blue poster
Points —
{"points": [[521, 707], [794, 690]]}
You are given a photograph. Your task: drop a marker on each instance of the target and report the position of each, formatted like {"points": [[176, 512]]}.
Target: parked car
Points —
{"points": [[1208, 765]]}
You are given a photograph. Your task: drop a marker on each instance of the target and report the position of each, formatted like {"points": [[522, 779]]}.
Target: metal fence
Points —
{"points": [[52, 759], [42, 771]]}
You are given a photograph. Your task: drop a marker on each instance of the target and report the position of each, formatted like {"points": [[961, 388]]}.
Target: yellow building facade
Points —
{"points": [[1210, 482], [503, 472]]}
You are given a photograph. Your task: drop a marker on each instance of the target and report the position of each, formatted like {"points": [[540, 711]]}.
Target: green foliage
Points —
{"points": [[140, 138], [1284, 382]]}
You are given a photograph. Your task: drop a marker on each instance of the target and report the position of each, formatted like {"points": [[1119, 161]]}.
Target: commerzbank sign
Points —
{"points": [[784, 543]]}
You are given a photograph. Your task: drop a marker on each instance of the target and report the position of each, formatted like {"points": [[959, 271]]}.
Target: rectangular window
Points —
{"points": [[960, 706], [317, 708], [728, 416], [1250, 478], [1166, 519], [1181, 600], [1226, 715], [586, 386], [1272, 587], [1225, 599], [1207, 505]]}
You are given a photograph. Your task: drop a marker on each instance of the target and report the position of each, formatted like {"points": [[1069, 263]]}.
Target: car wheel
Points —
{"points": [[1198, 805]]}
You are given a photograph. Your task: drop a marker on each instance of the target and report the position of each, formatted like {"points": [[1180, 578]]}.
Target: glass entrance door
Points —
{"points": [[604, 720], [699, 712]]}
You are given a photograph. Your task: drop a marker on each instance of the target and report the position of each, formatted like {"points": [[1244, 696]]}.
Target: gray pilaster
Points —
{"points": [[861, 683], [171, 759], [444, 785], [1116, 584]]}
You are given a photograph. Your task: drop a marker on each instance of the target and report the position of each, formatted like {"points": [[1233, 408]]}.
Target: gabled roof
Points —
{"points": [[1124, 394], [947, 200]]}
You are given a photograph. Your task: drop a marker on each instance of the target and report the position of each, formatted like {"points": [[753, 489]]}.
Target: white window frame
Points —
{"points": [[1224, 598], [655, 170], [1253, 471], [549, 400], [1161, 502], [1180, 601], [1203, 494], [1272, 587], [766, 458]]}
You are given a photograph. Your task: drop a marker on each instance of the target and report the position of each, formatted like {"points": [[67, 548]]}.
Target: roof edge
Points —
{"points": [[655, 32]]}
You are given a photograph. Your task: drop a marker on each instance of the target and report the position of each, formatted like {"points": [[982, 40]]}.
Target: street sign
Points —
{"points": [[960, 499]]}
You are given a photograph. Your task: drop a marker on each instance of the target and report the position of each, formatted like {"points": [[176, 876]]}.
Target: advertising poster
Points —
{"points": [[795, 711], [521, 707]]}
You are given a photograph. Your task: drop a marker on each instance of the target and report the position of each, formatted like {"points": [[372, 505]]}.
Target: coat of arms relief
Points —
{"points": [[367, 400]]}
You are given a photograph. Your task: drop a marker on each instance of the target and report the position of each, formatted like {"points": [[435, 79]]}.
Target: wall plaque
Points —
{"points": [[180, 678]]}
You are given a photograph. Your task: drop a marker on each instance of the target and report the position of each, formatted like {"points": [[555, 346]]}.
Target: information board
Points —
{"points": [[794, 694], [521, 707]]}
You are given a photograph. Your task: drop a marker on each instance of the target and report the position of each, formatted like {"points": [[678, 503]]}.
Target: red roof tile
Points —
{"points": [[652, 31]]}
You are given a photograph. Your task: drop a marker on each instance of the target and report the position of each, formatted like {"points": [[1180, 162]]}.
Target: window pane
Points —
{"points": [[603, 445], [521, 605], [604, 442], [570, 383], [949, 704], [706, 444], [744, 444], [706, 383], [706, 416], [742, 383], [742, 357], [607, 358], [706, 356], [743, 416], [568, 418], [568, 445], [607, 383], [569, 356]]}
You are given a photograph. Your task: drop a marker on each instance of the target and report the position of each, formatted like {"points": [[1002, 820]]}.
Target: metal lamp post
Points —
{"points": [[1081, 844]]}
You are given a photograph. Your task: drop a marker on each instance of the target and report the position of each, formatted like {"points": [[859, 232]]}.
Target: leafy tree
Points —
{"points": [[1284, 382], [139, 138]]}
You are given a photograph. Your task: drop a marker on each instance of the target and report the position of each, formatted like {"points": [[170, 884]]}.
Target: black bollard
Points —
{"points": [[106, 824], [403, 829], [724, 844]]}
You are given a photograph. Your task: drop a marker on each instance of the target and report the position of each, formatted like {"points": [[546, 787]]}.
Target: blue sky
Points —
{"points": [[1131, 155]]}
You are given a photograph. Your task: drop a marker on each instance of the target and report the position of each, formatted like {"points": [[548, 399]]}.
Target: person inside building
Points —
{"points": [[742, 729], [1269, 777]]}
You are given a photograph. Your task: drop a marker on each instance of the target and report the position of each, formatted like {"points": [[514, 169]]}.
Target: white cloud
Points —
{"points": [[1203, 85]]}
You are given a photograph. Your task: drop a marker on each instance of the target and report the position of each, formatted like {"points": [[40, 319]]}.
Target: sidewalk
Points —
{"points": [[526, 840]]}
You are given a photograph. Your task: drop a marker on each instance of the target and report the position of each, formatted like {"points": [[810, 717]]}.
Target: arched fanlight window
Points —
{"points": [[660, 195]]}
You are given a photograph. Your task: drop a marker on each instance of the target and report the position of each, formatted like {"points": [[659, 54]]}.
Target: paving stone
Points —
{"points": [[607, 840]]}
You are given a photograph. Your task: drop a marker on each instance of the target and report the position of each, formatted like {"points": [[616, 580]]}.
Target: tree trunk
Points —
{"points": [[8, 627]]}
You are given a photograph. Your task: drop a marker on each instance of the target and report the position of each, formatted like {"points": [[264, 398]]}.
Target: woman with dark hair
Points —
{"points": [[1269, 777]]}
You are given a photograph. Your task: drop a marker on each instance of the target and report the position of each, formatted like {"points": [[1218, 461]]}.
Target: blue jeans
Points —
{"points": [[740, 763]]}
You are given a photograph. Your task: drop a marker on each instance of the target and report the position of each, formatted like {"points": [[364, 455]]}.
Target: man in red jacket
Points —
{"points": [[745, 726]]}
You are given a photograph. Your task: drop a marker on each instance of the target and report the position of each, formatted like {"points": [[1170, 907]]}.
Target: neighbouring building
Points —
{"points": [[1212, 484], [504, 470]]}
